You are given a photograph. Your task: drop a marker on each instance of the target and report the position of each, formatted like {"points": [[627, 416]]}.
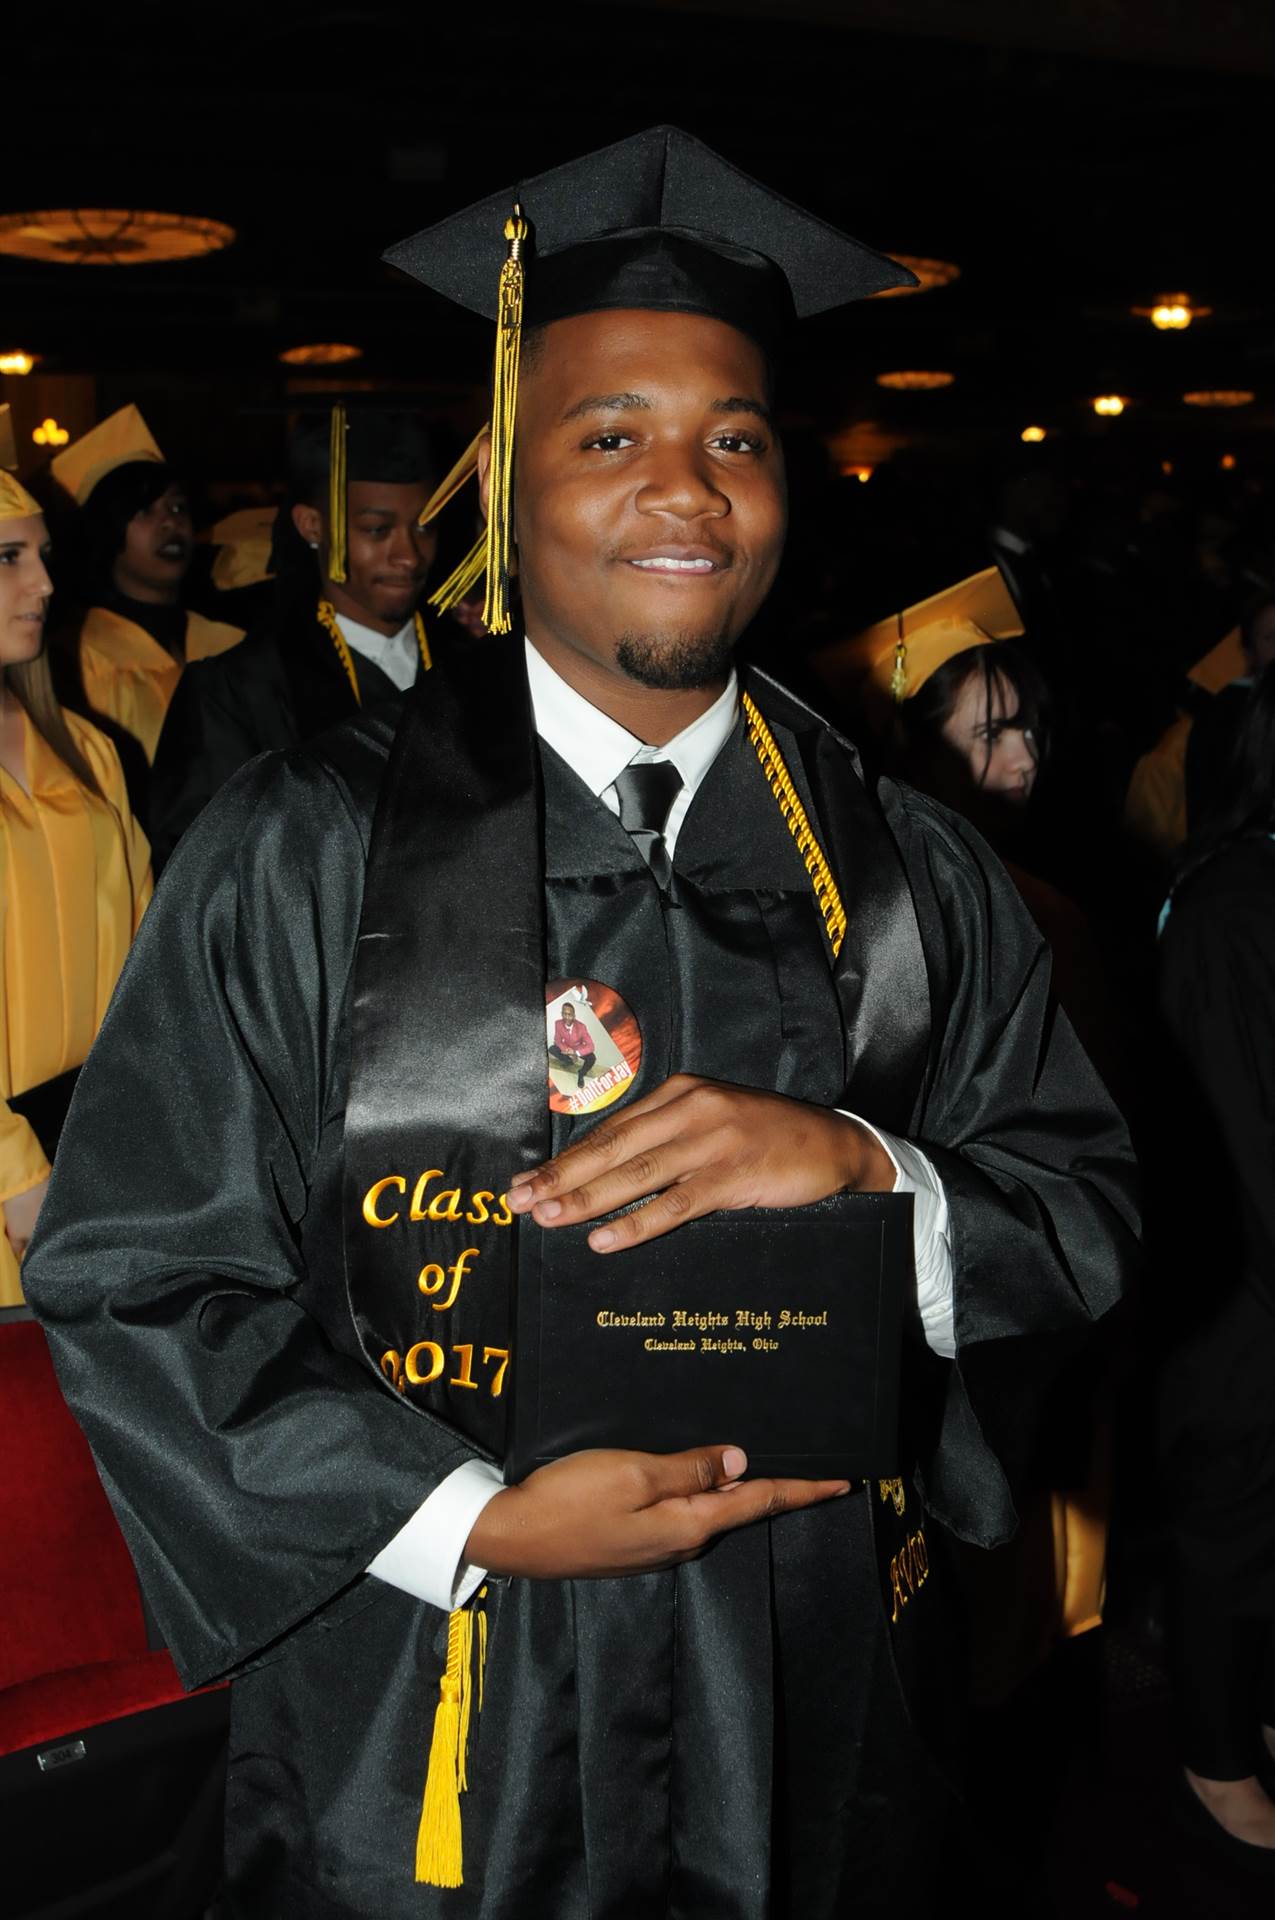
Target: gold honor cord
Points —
{"points": [[780, 780], [328, 621]]}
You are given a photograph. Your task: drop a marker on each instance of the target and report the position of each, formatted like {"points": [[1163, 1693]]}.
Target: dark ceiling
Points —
{"points": [[1075, 161]]}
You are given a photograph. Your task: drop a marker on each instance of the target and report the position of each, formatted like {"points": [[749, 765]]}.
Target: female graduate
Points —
{"points": [[968, 713], [136, 636], [74, 880], [1217, 982]]}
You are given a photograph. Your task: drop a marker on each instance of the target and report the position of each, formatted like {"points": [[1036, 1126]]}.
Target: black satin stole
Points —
{"points": [[691, 1742]]}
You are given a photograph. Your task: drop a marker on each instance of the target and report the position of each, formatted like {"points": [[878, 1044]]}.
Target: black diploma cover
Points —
{"points": [[777, 1330]]}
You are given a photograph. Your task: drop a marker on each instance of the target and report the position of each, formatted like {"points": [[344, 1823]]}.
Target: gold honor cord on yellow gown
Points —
{"points": [[331, 626], [75, 881]]}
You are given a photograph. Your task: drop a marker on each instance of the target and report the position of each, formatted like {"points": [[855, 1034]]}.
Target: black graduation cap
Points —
{"points": [[389, 444], [335, 442], [656, 221]]}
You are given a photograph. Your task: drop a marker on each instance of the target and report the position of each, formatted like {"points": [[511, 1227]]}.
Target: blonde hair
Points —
{"points": [[32, 683]]}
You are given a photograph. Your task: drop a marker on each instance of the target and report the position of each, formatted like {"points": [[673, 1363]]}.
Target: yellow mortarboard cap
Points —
{"points": [[15, 502], [901, 652], [1223, 663], [243, 542], [122, 437]]}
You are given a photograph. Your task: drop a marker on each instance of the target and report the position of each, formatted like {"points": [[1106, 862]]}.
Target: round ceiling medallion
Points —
{"points": [[110, 236]]}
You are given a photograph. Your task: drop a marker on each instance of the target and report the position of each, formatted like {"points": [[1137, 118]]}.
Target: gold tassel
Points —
{"points": [[504, 407], [899, 678], [466, 577], [336, 497], [439, 1853], [447, 489]]}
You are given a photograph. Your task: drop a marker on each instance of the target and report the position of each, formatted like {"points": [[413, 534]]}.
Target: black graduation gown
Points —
{"points": [[1217, 1271], [196, 1301], [281, 685]]}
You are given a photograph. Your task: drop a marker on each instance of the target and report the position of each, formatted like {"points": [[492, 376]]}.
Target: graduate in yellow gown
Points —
{"points": [[136, 637], [74, 881], [975, 739]]}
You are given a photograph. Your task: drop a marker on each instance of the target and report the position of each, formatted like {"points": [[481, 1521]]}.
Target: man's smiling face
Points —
{"points": [[650, 502]]}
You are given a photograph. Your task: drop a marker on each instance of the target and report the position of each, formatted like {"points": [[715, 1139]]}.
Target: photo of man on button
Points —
{"points": [[635, 1683]]}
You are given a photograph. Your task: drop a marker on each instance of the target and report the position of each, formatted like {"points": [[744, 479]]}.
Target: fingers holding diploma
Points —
{"points": [[601, 1514], [697, 1146]]}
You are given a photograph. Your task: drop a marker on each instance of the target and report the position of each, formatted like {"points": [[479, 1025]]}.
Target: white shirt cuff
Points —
{"points": [[426, 1557], [915, 1174]]}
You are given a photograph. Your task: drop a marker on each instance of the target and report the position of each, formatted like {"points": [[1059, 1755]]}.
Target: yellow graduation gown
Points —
{"points": [[1155, 805], [129, 677], [75, 877]]}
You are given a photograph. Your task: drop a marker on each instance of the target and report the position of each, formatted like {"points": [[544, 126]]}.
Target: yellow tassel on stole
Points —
{"points": [[336, 497], [439, 1853]]}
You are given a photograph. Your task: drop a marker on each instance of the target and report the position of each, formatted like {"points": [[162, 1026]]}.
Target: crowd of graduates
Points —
{"points": [[1083, 666]]}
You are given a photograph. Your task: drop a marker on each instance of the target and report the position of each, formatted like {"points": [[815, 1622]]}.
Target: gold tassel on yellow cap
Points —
{"points": [[504, 406], [464, 578], [899, 677], [336, 497], [447, 489], [439, 1853]]}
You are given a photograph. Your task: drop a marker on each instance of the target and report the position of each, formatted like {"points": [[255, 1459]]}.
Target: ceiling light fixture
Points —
{"points": [[915, 382], [17, 362], [1173, 313], [1220, 397], [110, 236], [325, 353], [1110, 405]]}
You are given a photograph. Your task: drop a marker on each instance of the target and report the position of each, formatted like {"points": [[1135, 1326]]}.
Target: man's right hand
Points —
{"points": [[595, 1515]]}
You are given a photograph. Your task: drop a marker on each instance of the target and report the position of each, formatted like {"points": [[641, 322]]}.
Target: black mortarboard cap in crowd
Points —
{"points": [[336, 444], [386, 444], [658, 221]]}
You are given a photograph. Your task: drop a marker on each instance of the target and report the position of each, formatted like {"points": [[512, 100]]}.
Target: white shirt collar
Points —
{"points": [[597, 748], [396, 654]]}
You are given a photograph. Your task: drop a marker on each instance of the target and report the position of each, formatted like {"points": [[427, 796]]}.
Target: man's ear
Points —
{"points": [[308, 522], [484, 472]]}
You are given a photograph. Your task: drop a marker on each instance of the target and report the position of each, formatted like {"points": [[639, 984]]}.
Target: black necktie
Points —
{"points": [[646, 793]]}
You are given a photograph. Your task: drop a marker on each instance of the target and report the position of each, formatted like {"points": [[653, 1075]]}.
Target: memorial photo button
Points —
{"points": [[593, 1043]]}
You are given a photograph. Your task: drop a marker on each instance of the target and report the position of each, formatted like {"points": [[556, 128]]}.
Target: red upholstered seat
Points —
{"points": [[40, 1711], [73, 1646]]}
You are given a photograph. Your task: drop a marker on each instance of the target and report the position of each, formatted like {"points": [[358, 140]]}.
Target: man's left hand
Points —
{"points": [[698, 1146]]}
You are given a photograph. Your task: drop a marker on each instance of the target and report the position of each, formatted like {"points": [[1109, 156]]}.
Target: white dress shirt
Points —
{"points": [[397, 654], [426, 1557]]}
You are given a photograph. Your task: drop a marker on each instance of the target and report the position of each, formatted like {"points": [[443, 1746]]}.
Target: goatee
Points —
{"points": [[675, 662]]}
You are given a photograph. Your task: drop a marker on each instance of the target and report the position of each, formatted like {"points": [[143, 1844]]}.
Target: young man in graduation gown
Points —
{"points": [[695, 1683], [136, 636], [345, 632]]}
